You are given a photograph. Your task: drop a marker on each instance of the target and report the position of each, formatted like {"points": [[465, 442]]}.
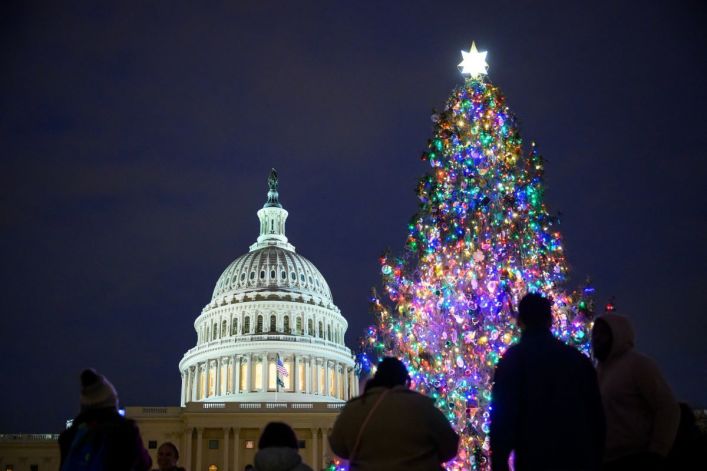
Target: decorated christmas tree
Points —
{"points": [[481, 239]]}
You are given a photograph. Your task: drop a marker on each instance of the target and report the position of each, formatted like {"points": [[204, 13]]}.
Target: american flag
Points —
{"points": [[281, 370]]}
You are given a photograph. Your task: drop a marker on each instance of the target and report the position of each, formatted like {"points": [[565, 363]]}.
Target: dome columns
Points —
{"points": [[253, 377]]}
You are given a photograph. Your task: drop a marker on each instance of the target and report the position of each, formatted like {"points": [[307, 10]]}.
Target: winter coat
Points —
{"points": [[279, 459], [405, 432], [546, 407], [123, 448], [642, 414]]}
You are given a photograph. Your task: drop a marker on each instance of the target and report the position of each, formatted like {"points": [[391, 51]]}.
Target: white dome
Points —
{"points": [[271, 331], [272, 269]]}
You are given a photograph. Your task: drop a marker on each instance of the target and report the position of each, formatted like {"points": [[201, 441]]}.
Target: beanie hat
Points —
{"points": [[96, 391]]}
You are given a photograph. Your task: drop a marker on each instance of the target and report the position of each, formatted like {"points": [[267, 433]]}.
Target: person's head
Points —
{"points": [[167, 456], [535, 312], [249, 467], [278, 434], [96, 391], [602, 338], [390, 372]]}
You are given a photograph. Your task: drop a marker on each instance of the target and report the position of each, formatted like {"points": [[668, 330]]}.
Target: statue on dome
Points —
{"points": [[272, 180]]}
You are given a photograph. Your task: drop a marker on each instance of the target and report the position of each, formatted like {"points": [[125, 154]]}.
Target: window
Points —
{"points": [[310, 280], [310, 327], [262, 274], [283, 275], [272, 274], [252, 275], [287, 325], [321, 330], [214, 332], [259, 325], [213, 445], [152, 444], [293, 276], [301, 277], [207, 334], [242, 276], [246, 325], [224, 328], [299, 325], [234, 326], [328, 333], [273, 324]]}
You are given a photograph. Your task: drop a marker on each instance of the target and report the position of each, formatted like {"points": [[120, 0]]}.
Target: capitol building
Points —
{"points": [[269, 347]]}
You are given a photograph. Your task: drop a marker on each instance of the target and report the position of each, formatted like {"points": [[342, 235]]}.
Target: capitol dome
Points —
{"points": [[271, 331]]}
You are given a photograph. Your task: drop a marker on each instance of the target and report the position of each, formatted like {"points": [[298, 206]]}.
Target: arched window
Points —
{"points": [[273, 323], [328, 332], [252, 275], [234, 326], [207, 334], [310, 327], [283, 275], [287, 325], [246, 325], [224, 328], [214, 332], [298, 326], [301, 277], [242, 276], [321, 330], [262, 274], [259, 325]]}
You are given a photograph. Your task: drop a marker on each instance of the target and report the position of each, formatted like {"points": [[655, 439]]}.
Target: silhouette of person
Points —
{"points": [[99, 437], [642, 415], [546, 406], [392, 427], [278, 449]]}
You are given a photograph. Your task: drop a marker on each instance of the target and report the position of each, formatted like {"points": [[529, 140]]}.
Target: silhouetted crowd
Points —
{"points": [[551, 410]]}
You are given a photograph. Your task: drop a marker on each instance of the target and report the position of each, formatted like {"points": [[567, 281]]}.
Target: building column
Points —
{"points": [[264, 372], [236, 388], [207, 381], [199, 440], [182, 399], [295, 380], [326, 378], [308, 376], [249, 373], [226, 440], [192, 372], [337, 380], [187, 447], [217, 380], [347, 393], [315, 439], [236, 448]]}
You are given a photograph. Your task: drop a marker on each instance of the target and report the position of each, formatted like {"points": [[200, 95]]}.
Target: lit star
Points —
{"points": [[474, 62]]}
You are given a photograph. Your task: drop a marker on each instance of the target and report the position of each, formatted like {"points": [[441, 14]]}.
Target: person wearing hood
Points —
{"points": [[278, 449], [545, 402], [99, 437], [642, 414], [392, 427]]}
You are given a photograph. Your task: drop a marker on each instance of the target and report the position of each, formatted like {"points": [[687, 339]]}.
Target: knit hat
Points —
{"points": [[96, 391]]}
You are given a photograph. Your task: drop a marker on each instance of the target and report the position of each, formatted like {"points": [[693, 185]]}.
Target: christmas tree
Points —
{"points": [[481, 239]]}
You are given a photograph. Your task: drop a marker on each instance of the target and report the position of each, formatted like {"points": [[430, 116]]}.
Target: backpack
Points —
{"points": [[87, 450]]}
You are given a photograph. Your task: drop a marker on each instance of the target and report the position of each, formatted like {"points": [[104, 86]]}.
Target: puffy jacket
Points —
{"points": [[279, 459], [405, 432], [642, 415]]}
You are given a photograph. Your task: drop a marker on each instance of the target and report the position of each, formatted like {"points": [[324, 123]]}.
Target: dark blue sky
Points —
{"points": [[136, 139]]}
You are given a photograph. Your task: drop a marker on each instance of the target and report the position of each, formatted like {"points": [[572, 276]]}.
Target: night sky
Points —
{"points": [[136, 140]]}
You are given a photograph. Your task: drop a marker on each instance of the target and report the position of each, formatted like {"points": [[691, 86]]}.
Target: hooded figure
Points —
{"points": [[99, 436], [642, 414]]}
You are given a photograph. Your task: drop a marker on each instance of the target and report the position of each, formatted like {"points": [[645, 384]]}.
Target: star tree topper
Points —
{"points": [[474, 62]]}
